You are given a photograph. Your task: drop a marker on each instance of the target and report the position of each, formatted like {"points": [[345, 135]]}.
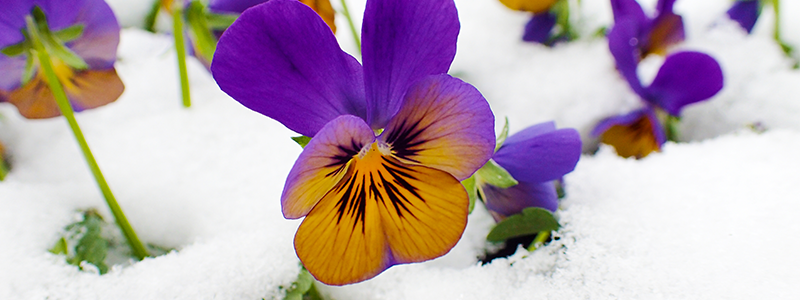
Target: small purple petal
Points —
{"points": [[540, 153], [506, 202], [281, 60], [623, 42], [685, 78], [539, 27], [404, 41], [630, 118], [745, 13], [232, 6], [665, 7]]}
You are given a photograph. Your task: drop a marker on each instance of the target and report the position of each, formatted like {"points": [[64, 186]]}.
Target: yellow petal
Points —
{"points": [[534, 6], [636, 139], [85, 90], [382, 213]]}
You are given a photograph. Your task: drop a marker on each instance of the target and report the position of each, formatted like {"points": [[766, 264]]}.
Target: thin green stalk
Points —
{"points": [[352, 25], [541, 237], [777, 33], [66, 109], [180, 47], [3, 168]]}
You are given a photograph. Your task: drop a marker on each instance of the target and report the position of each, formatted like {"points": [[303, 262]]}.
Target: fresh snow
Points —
{"points": [[712, 218]]}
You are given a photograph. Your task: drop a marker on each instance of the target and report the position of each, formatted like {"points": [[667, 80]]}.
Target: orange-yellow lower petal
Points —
{"points": [[636, 139], [383, 212], [534, 6], [85, 89], [324, 10]]}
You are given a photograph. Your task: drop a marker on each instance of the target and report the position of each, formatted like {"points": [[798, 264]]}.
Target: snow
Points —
{"points": [[714, 217]]}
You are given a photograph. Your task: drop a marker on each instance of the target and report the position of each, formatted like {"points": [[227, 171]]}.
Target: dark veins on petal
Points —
{"points": [[380, 186], [404, 140], [343, 157]]}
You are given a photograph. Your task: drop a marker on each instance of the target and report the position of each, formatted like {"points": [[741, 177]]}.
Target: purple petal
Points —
{"points": [[12, 19], [539, 27], [98, 43], [540, 153], [506, 202], [745, 13], [444, 124], [630, 10], [404, 41], [281, 60], [665, 7], [666, 30], [685, 78], [232, 6], [623, 42], [323, 163]]}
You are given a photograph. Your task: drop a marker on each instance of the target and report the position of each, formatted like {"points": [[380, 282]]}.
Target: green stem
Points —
{"points": [[180, 47], [777, 33], [3, 168], [539, 240], [352, 25], [63, 104]]}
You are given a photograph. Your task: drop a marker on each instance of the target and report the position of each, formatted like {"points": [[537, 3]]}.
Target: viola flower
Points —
{"points": [[379, 183], [535, 157], [745, 12], [542, 26], [684, 78], [652, 35], [83, 34]]}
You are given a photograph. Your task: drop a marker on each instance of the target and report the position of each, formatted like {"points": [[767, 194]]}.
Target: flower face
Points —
{"points": [[535, 157], [370, 201], [636, 134], [85, 35]]}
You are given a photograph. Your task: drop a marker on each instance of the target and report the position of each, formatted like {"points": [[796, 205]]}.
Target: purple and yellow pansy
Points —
{"points": [[541, 28], [535, 157], [82, 35], [684, 78], [379, 182]]}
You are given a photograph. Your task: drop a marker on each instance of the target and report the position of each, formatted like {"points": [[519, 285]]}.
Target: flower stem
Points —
{"points": [[3, 168], [346, 13], [541, 237], [66, 109], [180, 48]]}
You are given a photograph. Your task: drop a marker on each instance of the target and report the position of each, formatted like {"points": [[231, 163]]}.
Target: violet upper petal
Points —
{"points": [[685, 78], [539, 27], [664, 7], [11, 21], [509, 201], [404, 41], [281, 60], [631, 10], [540, 153], [623, 42], [745, 13]]}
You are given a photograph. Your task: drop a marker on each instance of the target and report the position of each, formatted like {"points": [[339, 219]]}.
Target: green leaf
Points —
{"points": [[204, 41], [301, 140], [302, 288], [60, 247], [150, 19], [58, 50], [71, 33], [531, 220], [494, 174], [502, 137], [29, 70], [17, 49], [472, 191]]}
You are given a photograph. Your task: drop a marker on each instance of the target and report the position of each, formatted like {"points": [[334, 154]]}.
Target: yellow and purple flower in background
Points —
{"points": [[549, 23], [684, 78], [82, 36], [745, 12], [535, 157], [650, 35], [379, 182]]}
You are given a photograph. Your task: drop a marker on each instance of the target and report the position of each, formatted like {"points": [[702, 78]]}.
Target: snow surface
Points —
{"points": [[713, 218]]}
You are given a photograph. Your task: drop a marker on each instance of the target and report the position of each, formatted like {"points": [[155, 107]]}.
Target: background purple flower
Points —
{"points": [[745, 12]]}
